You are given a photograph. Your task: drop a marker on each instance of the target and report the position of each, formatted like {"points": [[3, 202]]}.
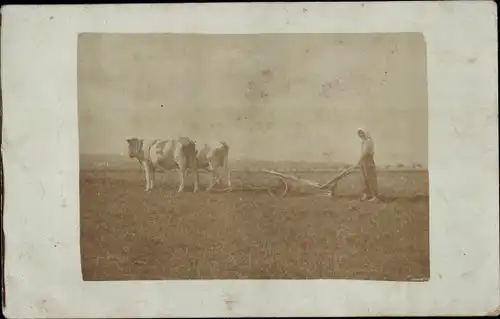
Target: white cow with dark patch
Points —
{"points": [[165, 154], [213, 156]]}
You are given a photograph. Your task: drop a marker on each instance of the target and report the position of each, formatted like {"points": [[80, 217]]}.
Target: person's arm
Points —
{"points": [[360, 160]]}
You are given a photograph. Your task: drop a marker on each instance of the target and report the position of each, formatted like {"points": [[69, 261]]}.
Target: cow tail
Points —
{"points": [[226, 162], [189, 149]]}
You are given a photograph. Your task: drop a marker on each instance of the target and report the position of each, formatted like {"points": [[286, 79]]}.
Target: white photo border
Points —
{"points": [[41, 163]]}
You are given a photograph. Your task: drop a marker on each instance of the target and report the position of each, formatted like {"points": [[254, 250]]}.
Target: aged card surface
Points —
{"points": [[286, 159]]}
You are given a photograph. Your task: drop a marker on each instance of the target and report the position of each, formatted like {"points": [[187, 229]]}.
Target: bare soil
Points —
{"points": [[128, 234]]}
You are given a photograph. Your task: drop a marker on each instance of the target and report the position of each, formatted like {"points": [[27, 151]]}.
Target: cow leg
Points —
{"points": [[182, 175], [146, 171], [228, 177], [194, 170], [152, 178], [216, 176], [219, 178], [211, 182], [228, 171], [212, 176]]}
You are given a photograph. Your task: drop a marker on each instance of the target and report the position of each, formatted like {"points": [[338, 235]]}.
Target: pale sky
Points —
{"points": [[270, 97]]}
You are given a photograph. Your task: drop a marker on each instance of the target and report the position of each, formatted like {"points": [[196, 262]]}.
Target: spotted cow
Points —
{"points": [[165, 154]]}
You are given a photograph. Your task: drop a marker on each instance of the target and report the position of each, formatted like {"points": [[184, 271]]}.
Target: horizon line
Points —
{"points": [[333, 163]]}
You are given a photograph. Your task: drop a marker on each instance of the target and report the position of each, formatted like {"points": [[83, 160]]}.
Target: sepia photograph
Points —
{"points": [[305, 159], [253, 156]]}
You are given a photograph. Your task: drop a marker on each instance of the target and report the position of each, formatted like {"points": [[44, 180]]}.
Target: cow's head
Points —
{"points": [[134, 147]]}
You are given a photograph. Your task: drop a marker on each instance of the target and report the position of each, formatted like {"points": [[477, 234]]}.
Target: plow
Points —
{"points": [[287, 182]]}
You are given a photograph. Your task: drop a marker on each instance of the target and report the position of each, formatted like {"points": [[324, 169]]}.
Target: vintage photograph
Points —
{"points": [[253, 156]]}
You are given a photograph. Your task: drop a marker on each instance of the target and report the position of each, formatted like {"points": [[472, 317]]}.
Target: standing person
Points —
{"points": [[367, 165]]}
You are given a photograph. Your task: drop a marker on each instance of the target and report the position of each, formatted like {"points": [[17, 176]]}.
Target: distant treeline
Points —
{"points": [[117, 162]]}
